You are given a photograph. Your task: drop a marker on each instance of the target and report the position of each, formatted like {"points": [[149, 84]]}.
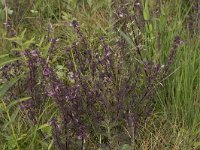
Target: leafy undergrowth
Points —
{"points": [[99, 75]]}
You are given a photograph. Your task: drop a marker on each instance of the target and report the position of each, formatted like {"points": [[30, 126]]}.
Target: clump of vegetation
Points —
{"points": [[99, 75]]}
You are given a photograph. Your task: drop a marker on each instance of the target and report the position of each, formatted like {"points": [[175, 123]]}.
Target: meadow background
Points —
{"points": [[100, 74]]}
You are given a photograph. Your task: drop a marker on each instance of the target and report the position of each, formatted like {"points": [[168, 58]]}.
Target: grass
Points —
{"points": [[169, 116]]}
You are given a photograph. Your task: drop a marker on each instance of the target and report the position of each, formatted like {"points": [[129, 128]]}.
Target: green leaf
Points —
{"points": [[89, 2], [10, 60], [43, 126], [46, 128], [11, 142], [5, 55], [18, 39], [12, 118], [27, 43], [126, 147], [150, 28], [6, 86], [14, 115], [22, 34], [146, 10], [2, 108], [2, 14], [13, 103], [5, 125], [23, 136], [5, 59], [126, 37], [10, 11], [50, 145], [41, 41]]}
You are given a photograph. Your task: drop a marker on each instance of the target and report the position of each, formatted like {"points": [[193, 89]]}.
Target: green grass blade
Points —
{"points": [[6, 86], [17, 101], [126, 37], [10, 60]]}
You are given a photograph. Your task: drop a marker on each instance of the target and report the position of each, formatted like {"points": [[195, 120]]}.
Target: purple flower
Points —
{"points": [[34, 53], [50, 93], [46, 71], [80, 133]]}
